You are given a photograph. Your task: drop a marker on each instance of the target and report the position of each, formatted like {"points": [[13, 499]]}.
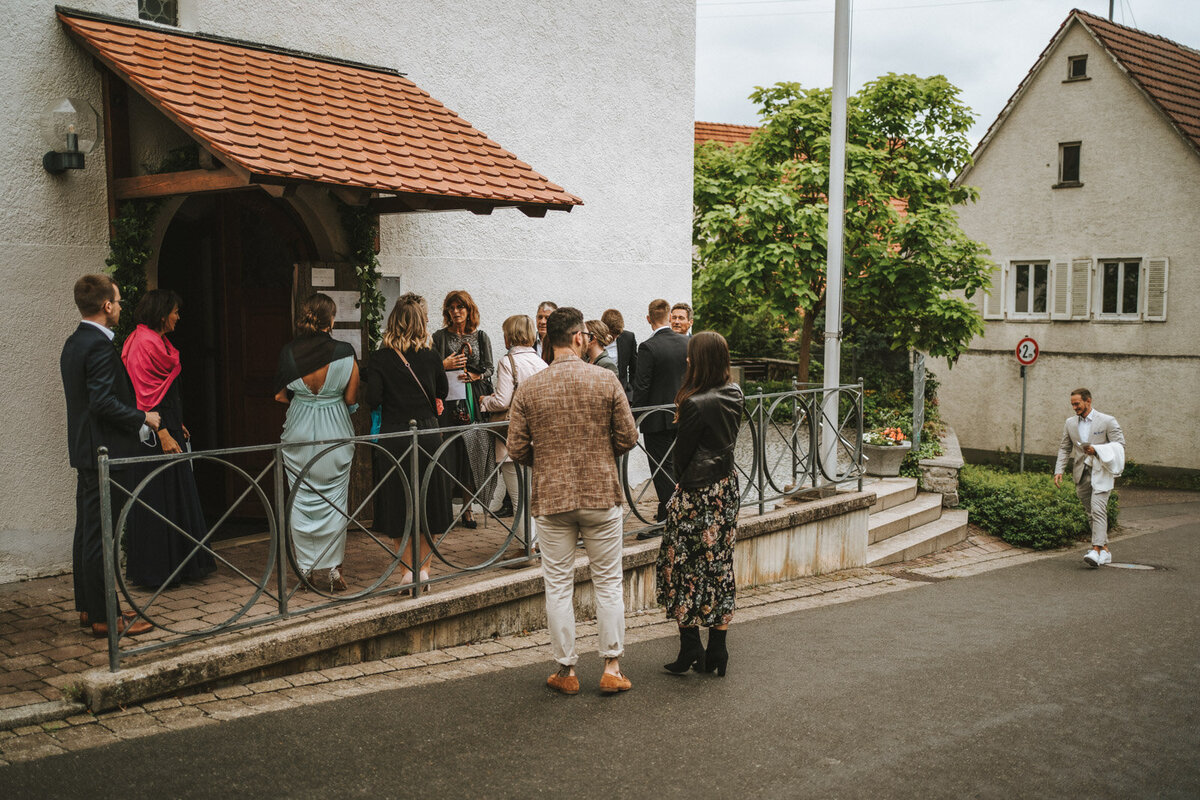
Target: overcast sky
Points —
{"points": [[984, 47]]}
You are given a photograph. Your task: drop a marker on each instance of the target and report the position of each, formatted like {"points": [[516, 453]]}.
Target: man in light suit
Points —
{"points": [[661, 362], [1080, 435], [101, 412], [570, 423]]}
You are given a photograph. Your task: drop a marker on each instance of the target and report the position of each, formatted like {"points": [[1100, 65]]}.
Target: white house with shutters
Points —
{"points": [[1089, 197]]}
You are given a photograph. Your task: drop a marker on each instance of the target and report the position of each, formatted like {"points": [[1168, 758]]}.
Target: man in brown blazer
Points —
{"points": [[570, 423]]}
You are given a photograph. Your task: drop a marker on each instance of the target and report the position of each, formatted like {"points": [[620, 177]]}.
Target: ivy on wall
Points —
{"points": [[129, 247], [362, 231]]}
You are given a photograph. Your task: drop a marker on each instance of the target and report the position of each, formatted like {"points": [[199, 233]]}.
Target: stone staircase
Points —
{"points": [[906, 524]]}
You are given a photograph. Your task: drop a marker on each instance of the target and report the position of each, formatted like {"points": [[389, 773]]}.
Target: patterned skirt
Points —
{"points": [[695, 561]]}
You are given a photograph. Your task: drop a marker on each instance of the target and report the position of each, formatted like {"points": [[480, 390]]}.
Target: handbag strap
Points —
{"points": [[512, 364], [420, 385]]}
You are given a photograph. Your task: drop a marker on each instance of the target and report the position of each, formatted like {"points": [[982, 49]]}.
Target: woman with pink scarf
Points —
{"points": [[159, 553]]}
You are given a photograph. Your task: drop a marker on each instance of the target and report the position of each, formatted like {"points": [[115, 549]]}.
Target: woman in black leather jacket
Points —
{"points": [[695, 562]]}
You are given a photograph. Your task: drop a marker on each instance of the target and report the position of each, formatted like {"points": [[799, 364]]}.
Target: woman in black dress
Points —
{"points": [[406, 378], [157, 553], [466, 352], [695, 560]]}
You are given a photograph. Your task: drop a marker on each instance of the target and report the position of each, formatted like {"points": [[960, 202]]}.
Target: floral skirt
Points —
{"points": [[695, 561]]}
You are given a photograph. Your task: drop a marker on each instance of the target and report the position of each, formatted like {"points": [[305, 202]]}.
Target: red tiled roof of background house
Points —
{"points": [[1169, 73], [288, 115], [723, 133]]}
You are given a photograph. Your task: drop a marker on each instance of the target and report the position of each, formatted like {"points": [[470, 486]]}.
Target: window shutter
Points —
{"points": [[993, 301], [1081, 288], [1156, 290], [1060, 298]]}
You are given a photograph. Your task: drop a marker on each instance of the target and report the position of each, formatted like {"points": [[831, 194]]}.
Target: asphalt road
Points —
{"points": [[1042, 680]]}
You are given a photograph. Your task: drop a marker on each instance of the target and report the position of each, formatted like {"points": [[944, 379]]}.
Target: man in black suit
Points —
{"points": [[625, 348], [661, 361], [101, 412]]}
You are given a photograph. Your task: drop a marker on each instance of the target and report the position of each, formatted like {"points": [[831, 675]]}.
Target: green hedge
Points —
{"points": [[1026, 510]]}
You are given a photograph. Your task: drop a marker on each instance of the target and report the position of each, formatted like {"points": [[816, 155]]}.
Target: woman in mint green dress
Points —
{"points": [[318, 379]]}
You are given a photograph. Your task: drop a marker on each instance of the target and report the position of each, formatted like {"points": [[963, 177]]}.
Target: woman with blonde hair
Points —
{"points": [[406, 378], [597, 350], [318, 380], [695, 561], [518, 364]]}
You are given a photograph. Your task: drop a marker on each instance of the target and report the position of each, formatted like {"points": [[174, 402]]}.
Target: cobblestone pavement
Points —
{"points": [[978, 553], [43, 649]]}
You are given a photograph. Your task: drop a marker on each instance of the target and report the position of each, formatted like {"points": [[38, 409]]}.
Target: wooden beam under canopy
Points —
{"points": [[165, 184]]}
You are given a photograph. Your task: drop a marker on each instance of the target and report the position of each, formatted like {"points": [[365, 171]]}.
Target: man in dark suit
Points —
{"points": [[101, 412], [624, 348], [661, 361]]}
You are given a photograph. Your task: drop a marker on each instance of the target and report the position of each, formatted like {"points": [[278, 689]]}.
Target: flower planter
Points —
{"points": [[884, 461]]}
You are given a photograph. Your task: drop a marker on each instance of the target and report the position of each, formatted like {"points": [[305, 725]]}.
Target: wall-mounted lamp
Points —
{"points": [[71, 128]]}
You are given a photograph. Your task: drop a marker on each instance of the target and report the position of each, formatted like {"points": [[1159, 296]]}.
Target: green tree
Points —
{"points": [[761, 218]]}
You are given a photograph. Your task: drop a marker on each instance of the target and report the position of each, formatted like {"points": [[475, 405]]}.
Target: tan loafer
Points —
{"points": [[563, 681], [611, 684]]}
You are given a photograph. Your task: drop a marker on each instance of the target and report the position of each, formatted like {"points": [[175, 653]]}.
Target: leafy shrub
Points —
{"points": [[1026, 510]]}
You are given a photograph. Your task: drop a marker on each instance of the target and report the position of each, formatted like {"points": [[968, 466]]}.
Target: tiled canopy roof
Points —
{"points": [[1167, 72], [285, 116], [723, 133]]}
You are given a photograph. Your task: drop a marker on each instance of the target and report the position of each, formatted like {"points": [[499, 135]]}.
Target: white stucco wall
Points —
{"points": [[598, 97], [1139, 199]]}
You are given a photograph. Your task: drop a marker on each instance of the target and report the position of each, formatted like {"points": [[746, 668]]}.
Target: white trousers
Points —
{"points": [[601, 530], [1096, 506], [508, 471]]}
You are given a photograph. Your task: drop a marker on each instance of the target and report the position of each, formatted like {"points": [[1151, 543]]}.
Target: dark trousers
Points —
{"points": [[87, 552], [657, 445]]}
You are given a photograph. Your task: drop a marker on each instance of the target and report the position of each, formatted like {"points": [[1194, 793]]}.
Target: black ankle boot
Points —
{"points": [[716, 656], [691, 652]]}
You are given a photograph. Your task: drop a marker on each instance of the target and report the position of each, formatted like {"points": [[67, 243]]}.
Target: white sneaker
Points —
{"points": [[1105, 557], [1092, 558]]}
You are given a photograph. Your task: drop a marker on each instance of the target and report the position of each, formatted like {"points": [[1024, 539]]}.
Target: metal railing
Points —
{"points": [[779, 455]]}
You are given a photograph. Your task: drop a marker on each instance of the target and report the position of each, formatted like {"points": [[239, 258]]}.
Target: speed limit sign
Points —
{"points": [[1027, 352]]}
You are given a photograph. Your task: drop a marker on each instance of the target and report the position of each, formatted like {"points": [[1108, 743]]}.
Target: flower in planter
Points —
{"points": [[885, 437]]}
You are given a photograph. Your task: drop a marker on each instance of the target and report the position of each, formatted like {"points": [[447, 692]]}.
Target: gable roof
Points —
{"points": [[1167, 74], [276, 115], [723, 132]]}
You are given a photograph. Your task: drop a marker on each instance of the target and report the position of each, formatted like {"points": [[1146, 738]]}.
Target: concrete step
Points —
{"points": [[926, 508], [891, 492], [950, 528]]}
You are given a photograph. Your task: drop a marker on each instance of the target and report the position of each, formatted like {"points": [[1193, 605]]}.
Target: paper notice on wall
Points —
{"points": [[352, 336], [347, 306], [323, 276], [458, 389]]}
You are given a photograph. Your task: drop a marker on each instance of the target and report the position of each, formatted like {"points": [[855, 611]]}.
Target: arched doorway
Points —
{"points": [[232, 257]]}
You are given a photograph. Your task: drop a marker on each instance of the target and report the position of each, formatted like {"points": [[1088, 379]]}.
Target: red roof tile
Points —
{"points": [[723, 133], [292, 115], [1169, 73]]}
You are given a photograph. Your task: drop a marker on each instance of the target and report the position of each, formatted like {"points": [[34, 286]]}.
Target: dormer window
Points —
{"points": [[165, 12], [1077, 68]]}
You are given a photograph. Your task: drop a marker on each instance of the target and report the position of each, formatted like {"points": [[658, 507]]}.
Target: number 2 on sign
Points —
{"points": [[1027, 351]]}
